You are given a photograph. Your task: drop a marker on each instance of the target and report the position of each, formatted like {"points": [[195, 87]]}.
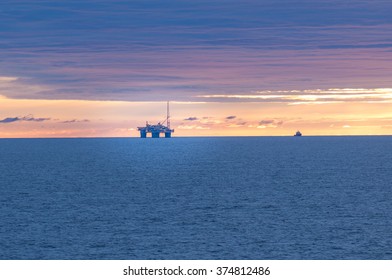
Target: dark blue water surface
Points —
{"points": [[196, 198]]}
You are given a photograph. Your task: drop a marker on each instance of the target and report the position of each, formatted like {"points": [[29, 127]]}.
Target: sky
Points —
{"points": [[95, 68]]}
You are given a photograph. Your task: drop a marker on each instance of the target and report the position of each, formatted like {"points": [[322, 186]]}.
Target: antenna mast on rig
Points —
{"points": [[168, 115]]}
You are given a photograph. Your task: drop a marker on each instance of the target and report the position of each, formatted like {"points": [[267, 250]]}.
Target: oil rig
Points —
{"points": [[157, 129]]}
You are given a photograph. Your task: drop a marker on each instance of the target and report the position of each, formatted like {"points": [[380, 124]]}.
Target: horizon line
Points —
{"points": [[203, 136]]}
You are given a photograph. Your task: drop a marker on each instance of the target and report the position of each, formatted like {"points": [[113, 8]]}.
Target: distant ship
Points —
{"points": [[298, 133]]}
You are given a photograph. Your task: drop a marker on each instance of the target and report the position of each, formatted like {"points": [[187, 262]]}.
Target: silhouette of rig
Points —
{"points": [[157, 129]]}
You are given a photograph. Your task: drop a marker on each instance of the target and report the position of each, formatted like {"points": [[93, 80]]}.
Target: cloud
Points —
{"points": [[264, 122], [28, 118], [32, 119], [230, 117], [8, 79], [269, 123], [75, 121], [190, 127], [210, 121], [312, 96], [235, 125], [191, 119], [148, 51], [9, 120]]}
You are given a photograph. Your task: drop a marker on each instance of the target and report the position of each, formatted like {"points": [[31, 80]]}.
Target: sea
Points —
{"points": [[283, 198]]}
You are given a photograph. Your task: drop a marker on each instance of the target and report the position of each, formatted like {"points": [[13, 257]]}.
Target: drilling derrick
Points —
{"points": [[157, 129]]}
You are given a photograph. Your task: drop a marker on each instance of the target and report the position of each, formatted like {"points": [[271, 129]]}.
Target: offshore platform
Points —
{"points": [[157, 129]]}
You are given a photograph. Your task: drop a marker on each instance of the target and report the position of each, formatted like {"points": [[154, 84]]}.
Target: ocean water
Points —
{"points": [[196, 198]]}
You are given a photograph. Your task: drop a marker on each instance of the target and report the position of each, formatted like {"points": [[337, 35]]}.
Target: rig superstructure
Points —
{"points": [[157, 129]]}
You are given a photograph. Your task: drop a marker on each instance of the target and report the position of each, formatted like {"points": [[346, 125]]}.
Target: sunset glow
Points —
{"points": [[265, 69]]}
